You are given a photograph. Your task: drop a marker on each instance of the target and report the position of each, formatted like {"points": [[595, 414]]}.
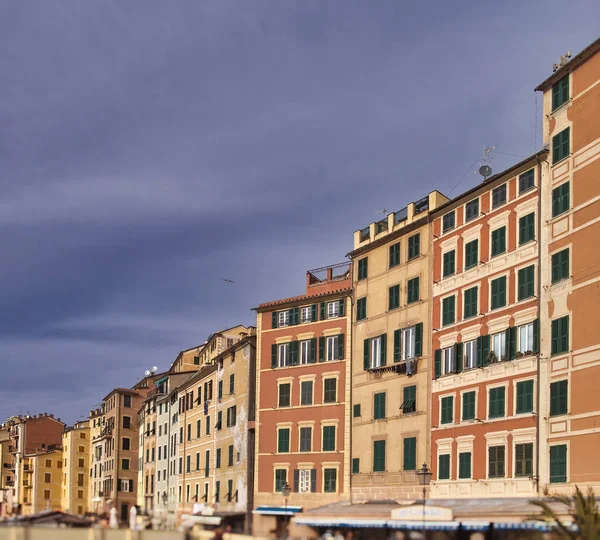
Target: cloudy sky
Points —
{"points": [[149, 149]]}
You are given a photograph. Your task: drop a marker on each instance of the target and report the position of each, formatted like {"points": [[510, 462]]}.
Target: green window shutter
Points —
{"points": [[444, 467], [328, 438], [449, 263], [383, 348], [560, 92], [394, 255], [323, 311], [366, 354], [468, 409], [274, 355], [448, 410], [322, 349], [499, 292], [524, 397], [361, 309], [340, 347], [498, 241], [355, 465], [437, 363], [294, 353], [313, 351], [536, 336], [379, 406], [378, 456], [274, 319], [526, 286], [470, 303], [561, 145], [363, 269], [313, 312], [294, 316], [560, 335], [394, 297], [511, 342], [561, 199], [560, 265], [356, 410], [458, 355], [448, 316], [526, 228], [342, 307], [397, 344], [483, 350], [558, 463], [464, 465], [409, 399], [419, 339], [410, 454], [414, 247], [283, 440], [413, 293], [471, 254], [559, 397]]}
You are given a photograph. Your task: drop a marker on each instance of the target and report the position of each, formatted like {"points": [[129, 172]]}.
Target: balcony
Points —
{"points": [[10, 483], [336, 272], [8, 466]]}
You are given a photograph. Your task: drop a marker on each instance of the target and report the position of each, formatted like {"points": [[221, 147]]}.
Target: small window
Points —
{"points": [[414, 246], [361, 309], [304, 480], [448, 221], [464, 465], [355, 465], [499, 196], [306, 314], [526, 229], [284, 395], [329, 439], [333, 309], [496, 461], [498, 346], [559, 397], [449, 360], [333, 343], [409, 399], [447, 410], [444, 467], [448, 313], [306, 393], [471, 254], [330, 390], [410, 454], [470, 354], [126, 422], [283, 440], [378, 456], [379, 406], [409, 342], [126, 442], [280, 479], [497, 402], [499, 292], [560, 335], [560, 92], [394, 255], [330, 480], [561, 199], [377, 355], [283, 356], [472, 210], [356, 410], [560, 266], [308, 351], [498, 241], [125, 464], [470, 303], [47, 478], [363, 268], [524, 397], [561, 145], [449, 264], [527, 181], [468, 406], [413, 294], [126, 401], [526, 344], [284, 318], [526, 284], [394, 297], [558, 464]]}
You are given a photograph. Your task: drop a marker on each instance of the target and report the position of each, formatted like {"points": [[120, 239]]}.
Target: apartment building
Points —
{"points": [[570, 275], [41, 480], [75, 468], [147, 454], [96, 424], [485, 337], [7, 473], [391, 353], [303, 399]]}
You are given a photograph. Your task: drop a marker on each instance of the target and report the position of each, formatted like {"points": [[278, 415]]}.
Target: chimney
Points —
{"points": [[50, 415]]}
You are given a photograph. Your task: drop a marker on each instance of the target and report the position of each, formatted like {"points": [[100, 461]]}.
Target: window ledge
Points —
{"points": [[561, 106], [555, 163]]}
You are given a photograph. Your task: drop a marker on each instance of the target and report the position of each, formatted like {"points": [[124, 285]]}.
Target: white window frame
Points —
{"points": [[448, 360], [333, 309], [409, 337], [470, 361], [376, 352], [304, 481], [331, 348], [283, 318], [283, 355], [306, 314], [305, 352], [501, 353], [124, 485], [528, 330]]}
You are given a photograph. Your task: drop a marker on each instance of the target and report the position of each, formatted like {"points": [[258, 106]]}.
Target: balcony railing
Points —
{"points": [[329, 273], [7, 465], [10, 483], [401, 215], [365, 233]]}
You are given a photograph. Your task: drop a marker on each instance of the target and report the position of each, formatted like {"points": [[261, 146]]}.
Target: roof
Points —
{"points": [[576, 61], [200, 374], [126, 391], [55, 517], [303, 297]]}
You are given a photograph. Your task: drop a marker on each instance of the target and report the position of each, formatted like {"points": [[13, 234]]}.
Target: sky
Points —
{"points": [[151, 149]]}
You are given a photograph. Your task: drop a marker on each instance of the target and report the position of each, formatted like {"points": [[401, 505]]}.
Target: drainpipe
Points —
{"points": [[349, 377]]}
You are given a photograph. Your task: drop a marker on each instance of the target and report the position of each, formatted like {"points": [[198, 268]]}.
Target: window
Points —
{"points": [[560, 335], [526, 228], [284, 318], [126, 401], [449, 360], [379, 406], [329, 439], [230, 456], [394, 297], [471, 254], [527, 181], [377, 356], [468, 405], [496, 402], [356, 410], [560, 92], [207, 422], [330, 390], [305, 439], [464, 465], [283, 357], [409, 339], [125, 464], [330, 480], [448, 221], [355, 465], [308, 351], [560, 199], [304, 480], [394, 255], [284, 395], [499, 345], [189, 432], [126, 443], [232, 383], [378, 456], [470, 354], [280, 479], [306, 393], [499, 292], [526, 345], [449, 263], [470, 307], [524, 397], [560, 266], [498, 241], [409, 399], [413, 290], [335, 348], [526, 287], [447, 406], [444, 467], [198, 429], [363, 268], [361, 309], [561, 145], [448, 311], [47, 478], [558, 463], [283, 440], [524, 459], [496, 460], [410, 454], [498, 196], [231, 416], [126, 422], [47, 494], [414, 246], [472, 210], [306, 314], [559, 397], [333, 309]]}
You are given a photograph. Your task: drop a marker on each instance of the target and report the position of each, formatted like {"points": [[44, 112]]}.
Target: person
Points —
{"points": [[338, 535], [218, 534]]}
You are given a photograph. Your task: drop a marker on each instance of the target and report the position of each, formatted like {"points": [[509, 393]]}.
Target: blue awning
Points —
{"points": [[475, 525], [277, 510], [419, 525], [341, 522], [525, 526]]}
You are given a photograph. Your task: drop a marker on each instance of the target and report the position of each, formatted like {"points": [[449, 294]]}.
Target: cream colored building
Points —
{"points": [[391, 352], [7, 473], [75, 469], [41, 481], [96, 424]]}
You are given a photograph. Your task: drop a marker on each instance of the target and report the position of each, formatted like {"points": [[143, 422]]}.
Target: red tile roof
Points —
{"points": [[302, 297]]}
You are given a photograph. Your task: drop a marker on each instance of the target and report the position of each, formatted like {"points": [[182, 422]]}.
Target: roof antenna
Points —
{"points": [[561, 61], [485, 170]]}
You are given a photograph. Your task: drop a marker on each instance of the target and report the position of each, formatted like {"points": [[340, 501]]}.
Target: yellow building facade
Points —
{"points": [[41, 480], [76, 462], [96, 424]]}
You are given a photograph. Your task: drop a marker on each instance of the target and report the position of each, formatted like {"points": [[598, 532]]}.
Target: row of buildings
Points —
{"points": [[463, 334]]}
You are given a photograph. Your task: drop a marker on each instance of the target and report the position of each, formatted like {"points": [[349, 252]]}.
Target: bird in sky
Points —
{"points": [[227, 280]]}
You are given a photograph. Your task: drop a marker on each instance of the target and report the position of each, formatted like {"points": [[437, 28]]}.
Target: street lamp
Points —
{"points": [[286, 490], [424, 475]]}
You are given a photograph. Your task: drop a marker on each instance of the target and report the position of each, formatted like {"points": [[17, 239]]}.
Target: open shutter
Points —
{"points": [[296, 316], [419, 339], [536, 336], [383, 348], [313, 480], [321, 349], [511, 342], [484, 350], [131, 486], [366, 355], [296, 480], [274, 319], [313, 312], [273, 356], [323, 312], [437, 363], [294, 353], [397, 344], [342, 307], [118, 484], [458, 354], [291, 316], [340, 351], [313, 351]]}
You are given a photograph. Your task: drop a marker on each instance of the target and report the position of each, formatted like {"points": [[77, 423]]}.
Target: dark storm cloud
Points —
{"points": [[150, 149]]}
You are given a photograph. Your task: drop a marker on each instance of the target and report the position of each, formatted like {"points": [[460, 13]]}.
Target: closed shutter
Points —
{"points": [[313, 312], [296, 480], [458, 354], [294, 353], [558, 463], [131, 486], [366, 354], [321, 349], [419, 339], [483, 351], [444, 467], [274, 355], [313, 480], [397, 344], [410, 454], [536, 336], [383, 348], [295, 316], [274, 319], [437, 363], [340, 347]]}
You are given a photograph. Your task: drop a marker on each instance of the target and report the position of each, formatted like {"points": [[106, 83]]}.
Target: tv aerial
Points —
{"points": [[484, 169]]}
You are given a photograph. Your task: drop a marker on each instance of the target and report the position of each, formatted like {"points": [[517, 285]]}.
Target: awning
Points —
{"points": [[419, 525], [341, 522], [187, 520], [277, 510], [161, 380], [475, 525], [523, 526]]}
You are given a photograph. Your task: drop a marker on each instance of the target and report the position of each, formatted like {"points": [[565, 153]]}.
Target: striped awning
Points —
{"points": [[475, 525], [277, 510], [419, 525], [342, 522]]}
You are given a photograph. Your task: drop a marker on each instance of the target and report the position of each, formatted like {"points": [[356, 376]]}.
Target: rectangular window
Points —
{"points": [[307, 352], [526, 345], [470, 304], [283, 356], [356, 410], [526, 228], [306, 393], [449, 360], [409, 399], [394, 255], [355, 465], [284, 395], [305, 439], [379, 406], [560, 266], [127, 401], [524, 397], [561, 145], [448, 316], [394, 297], [464, 465], [304, 480], [499, 292], [414, 246], [217, 459], [559, 397], [280, 479], [448, 221], [560, 199], [330, 390], [471, 254], [126, 443], [560, 335], [498, 241], [499, 346], [560, 92], [408, 342], [333, 309], [378, 456], [524, 459], [283, 440], [527, 181], [449, 263], [306, 314], [330, 480], [220, 390], [361, 309], [329, 439], [468, 405], [526, 287], [232, 384], [496, 461], [413, 294], [230, 456], [376, 352], [496, 402], [363, 268], [126, 422], [498, 196], [444, 467], [472, 210], [558, 464], [470, 354], [410, 454], [284, 318], [447, 407]]}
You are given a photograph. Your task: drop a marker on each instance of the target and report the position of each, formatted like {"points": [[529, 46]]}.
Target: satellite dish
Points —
{"points": [[147, 372], [154, 369], [485, 171]]}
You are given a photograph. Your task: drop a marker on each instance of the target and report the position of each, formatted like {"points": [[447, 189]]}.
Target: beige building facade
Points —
{"points": [[41, 481], [96, 425], [75, 469]]}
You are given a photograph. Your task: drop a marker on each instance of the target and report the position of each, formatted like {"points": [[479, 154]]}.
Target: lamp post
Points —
{"points": [[286, 490], [424, 475]]}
